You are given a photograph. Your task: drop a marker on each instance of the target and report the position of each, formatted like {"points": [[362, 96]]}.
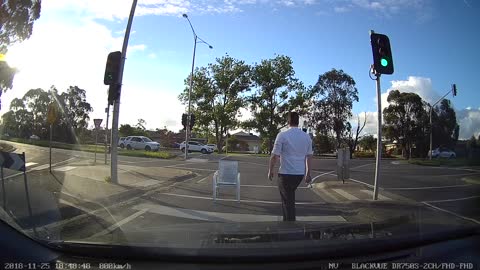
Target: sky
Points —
{"points": [[434, 44]]}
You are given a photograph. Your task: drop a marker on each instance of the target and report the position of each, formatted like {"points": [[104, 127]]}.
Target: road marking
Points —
{"points": [[203, 179], [64, 169], [360, 182], [347, 195], [234, 200], [120, 223], [325, 192], [452, 213], [226, 217], [381, 197], [20, 173], [453, 200], [28, 164], [420, 188], [41, 167], [266, 186]]}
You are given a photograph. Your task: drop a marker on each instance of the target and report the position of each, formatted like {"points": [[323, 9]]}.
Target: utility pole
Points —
{"points": [[116, 104], [379, 138]]}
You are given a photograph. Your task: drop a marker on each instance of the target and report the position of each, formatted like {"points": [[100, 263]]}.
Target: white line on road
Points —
{"points": [[266, 186], [227, 217], [420, 188], [120, 223], [36, 168], [64, 169], [347, 195], [453, 200], [29, 164], [234, 200], [203, 179], [380, 196], [453, 213]]}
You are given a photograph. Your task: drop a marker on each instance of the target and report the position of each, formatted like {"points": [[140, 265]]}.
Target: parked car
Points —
{"points": [[196, 147], [121, 142], [213, 146], [34, 137], [141, 143], [442, 153]]}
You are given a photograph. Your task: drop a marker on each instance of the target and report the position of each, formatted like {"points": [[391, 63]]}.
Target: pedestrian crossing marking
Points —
{"points": [[29, 164], [64, 169], [345, 194], [41, 167], [225, 217], [381, 197]]}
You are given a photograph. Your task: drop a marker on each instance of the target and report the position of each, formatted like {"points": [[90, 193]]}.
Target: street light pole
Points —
{"points": [[187, 128]]}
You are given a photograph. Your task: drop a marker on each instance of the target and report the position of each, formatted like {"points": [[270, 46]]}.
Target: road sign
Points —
{"points": [[97, 123], [52, 113], [12, 161]]}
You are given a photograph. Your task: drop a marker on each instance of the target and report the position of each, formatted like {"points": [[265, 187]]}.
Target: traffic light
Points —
{"points": [[192, 121], [184, 120], [112, 68], [382, 54], [454, 89], [113, 93]]}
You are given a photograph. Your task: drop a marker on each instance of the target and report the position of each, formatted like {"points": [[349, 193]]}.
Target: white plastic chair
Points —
{"points": [[227, 175]]}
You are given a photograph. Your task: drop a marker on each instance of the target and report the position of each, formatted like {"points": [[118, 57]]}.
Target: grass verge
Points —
{"points": [[91, 148], [445, 162]]}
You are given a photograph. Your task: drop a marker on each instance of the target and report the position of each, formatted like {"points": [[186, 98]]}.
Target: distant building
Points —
{"points": [[247, 141]]}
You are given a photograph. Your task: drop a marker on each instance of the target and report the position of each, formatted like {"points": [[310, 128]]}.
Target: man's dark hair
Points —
{"points": [[293, 118]]}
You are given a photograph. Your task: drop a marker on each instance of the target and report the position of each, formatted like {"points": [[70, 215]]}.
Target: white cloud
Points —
{"points": [[388, 7], [152, 55], [418, 85], [341, 9], [469, 121]]}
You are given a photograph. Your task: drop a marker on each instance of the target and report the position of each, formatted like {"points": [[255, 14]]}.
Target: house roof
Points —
{"points": [[246, 136]]}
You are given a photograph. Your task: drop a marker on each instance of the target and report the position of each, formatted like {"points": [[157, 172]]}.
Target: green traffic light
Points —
{"points": [[384, 62]]}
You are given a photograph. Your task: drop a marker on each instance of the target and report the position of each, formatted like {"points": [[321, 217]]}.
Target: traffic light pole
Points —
{"points": [[431, 125], [116, 104], [379, 138]]}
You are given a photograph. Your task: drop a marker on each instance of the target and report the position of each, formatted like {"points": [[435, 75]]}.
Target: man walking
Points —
{"points": [[294, 149]]}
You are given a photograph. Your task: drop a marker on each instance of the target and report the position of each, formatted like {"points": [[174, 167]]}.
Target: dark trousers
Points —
{"points": [[287, 184]]}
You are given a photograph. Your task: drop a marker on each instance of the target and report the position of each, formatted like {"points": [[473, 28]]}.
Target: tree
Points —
{"points": [[331, 108], [445, 127], [368, 143], [217, 95], [352, 139], [405, 120], [324, 143], [277, 92], [37, 101], [16, 25]]}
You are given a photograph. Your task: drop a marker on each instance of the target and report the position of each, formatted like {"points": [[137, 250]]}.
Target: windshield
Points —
{"points": [[322, 115]]}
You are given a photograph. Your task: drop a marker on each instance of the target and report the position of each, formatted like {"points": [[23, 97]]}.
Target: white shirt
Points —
{"points": [[292, 145]]}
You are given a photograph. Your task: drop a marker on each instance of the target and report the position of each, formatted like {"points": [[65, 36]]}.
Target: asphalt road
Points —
{"points": [[190, 201]]}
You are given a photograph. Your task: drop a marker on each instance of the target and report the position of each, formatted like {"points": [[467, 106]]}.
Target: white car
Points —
{"points": [[121, 142], [34, 137], [442, 153], [196, 147], [213, 146], [141, 143]]}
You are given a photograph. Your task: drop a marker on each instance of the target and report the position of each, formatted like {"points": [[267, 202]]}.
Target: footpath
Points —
{"points": [[77, 188]]}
